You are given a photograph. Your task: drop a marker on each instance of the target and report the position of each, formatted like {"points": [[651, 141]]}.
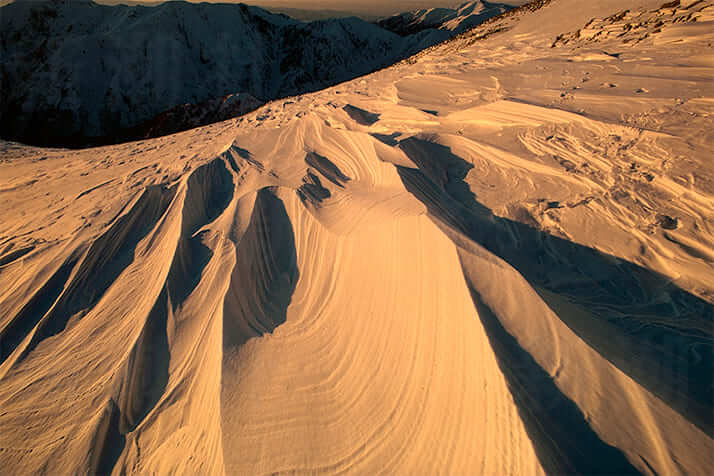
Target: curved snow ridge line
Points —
{"points": [[88, 371], [131, 258], [349, 291], [92, 272], [195, 384], [539, 358], [157, 376], [121, 420], [440, 184], [185, 324], [618, 168], [255, 332], [187, 377], [572, 329], [266, 252]]}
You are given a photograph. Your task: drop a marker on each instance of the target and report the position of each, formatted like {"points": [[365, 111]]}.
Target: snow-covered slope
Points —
{"points": [[494, 258], [456, 20], [76, 70]]}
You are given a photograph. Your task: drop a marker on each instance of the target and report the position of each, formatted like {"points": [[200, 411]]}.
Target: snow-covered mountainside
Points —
{"points": [[188, 116], [73, 71], [456, 20], [496, 257]]}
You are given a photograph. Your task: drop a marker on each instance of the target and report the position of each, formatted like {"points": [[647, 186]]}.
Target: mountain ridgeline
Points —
{"points": [[78, 73], [453, 20]]}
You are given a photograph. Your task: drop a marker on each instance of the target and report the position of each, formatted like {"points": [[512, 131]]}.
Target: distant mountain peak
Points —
{"points": [[455, 20]]}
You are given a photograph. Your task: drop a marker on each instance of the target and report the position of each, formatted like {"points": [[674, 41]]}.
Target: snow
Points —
{"points": [[494, 257], [455, 20], [81, 71]]}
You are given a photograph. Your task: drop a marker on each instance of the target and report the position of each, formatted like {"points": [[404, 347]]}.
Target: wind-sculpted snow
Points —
{"points": [[466, 264]]}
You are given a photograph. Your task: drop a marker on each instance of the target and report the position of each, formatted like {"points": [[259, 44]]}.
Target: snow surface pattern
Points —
{"points": [[495, 258]]}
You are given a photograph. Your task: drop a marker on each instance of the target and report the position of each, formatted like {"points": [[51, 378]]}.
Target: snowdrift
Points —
{"points": [[495, 258]]}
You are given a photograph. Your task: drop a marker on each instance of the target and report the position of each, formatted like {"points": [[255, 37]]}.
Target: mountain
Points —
{"points": [[494, 258], [78, 72], [188, 116], [456, 20]]}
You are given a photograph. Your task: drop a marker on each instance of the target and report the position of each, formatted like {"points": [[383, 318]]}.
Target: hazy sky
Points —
{"points": [[358, 7], [364, 8]]}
